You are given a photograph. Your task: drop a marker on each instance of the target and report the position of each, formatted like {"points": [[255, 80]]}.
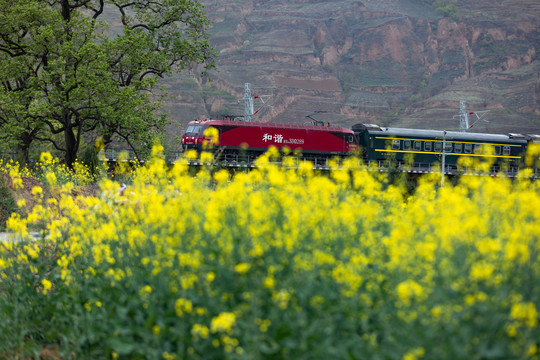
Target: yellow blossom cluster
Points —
{"points": [[278, 262]]}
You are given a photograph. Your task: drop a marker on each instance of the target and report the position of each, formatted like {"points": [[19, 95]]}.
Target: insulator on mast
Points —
{"points": [[464, 124]]}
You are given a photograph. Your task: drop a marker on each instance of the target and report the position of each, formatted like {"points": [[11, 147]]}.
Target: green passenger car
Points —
{"points": [[428, 147]]}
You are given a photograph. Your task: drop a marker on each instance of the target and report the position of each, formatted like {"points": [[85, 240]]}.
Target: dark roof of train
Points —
{"points": [[450, 135]]}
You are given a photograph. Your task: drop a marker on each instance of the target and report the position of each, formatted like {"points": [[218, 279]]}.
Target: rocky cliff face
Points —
{"points": [[394, 62]]}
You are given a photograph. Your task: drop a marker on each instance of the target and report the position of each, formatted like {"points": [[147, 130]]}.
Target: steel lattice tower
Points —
{"points": [[248, 102]]}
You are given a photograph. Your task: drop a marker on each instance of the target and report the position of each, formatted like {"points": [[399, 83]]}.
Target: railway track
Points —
{"points": [[375, 166]]}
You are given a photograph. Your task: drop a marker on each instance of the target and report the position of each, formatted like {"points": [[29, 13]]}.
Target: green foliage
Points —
{"points": [[8, 204], [90, 159], [485, 64], [445, 9], [63, 76], [346, 79], [209, 90]]}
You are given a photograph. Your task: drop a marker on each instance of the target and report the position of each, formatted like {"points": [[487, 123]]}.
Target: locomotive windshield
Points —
{"points": [[193, 129]]}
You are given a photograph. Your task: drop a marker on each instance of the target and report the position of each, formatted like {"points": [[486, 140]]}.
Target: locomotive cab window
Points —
{"points": [[427, 146], [458, 147], [396, 144], [193, 129]]}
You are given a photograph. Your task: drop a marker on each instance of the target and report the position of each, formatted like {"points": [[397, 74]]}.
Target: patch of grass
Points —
{"points": [[445, 9]]}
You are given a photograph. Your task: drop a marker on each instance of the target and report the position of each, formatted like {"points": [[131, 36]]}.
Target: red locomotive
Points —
{"points": [[316, 141]]}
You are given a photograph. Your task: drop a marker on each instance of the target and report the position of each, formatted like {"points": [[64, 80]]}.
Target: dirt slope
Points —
{"points": [[403, 63]]}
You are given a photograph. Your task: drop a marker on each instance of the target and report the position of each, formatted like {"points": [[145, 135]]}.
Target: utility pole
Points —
{"points": [[463, 117], [443, 157]]}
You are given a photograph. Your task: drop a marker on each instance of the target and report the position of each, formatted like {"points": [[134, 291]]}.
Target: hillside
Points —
{"points": [[392, 62]]}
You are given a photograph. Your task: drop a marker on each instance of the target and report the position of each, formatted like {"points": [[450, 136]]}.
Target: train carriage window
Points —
{"points": [[396, 144], [477, 148], [467, 149], [438, 147], [406, 144], [497, 150], [448, 147], [417, 146], [458, 148], [427, 146], [506, 150]]}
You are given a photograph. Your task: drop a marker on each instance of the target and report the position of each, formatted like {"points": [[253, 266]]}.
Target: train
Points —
{"points": [[429, 147], [245, 141], [233, 141]]}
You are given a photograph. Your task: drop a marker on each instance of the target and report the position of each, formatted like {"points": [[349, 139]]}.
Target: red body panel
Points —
{"points": [[259, 136]]}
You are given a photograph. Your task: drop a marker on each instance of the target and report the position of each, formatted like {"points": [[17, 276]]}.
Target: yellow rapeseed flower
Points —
{"points": [[200, 331], [408, 291], [210, 277], [46, 158], [145, 291], [482, 270], [282, 298], [414, 354], [51, 178], [183, 306], [222, 176], [168, 356], [242, 268], [223, 322], [269, 282], [207, 157], [47, 285], [525, 313], [32, 250], [37, 191], [17, 183]]}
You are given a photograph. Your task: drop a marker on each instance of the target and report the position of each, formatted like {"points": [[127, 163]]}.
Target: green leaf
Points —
{"points": [[121, 346]]}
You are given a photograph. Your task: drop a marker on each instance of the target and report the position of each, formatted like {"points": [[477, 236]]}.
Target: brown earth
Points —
{"points": [[391, 62]]}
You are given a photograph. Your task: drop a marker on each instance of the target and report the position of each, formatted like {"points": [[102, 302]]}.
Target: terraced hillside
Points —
{"points": [[392, 62]]}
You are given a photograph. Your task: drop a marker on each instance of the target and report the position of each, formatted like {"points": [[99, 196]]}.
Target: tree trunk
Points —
{"points": [[72, 147], [23, 148], [22, 155], [71, 141]]}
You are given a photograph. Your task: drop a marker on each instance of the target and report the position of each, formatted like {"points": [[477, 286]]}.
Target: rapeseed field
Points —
{"points": [[274, 263]]}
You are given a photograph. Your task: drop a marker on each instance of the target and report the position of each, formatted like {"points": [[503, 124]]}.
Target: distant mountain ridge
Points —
{"points": [[404, 63]]}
